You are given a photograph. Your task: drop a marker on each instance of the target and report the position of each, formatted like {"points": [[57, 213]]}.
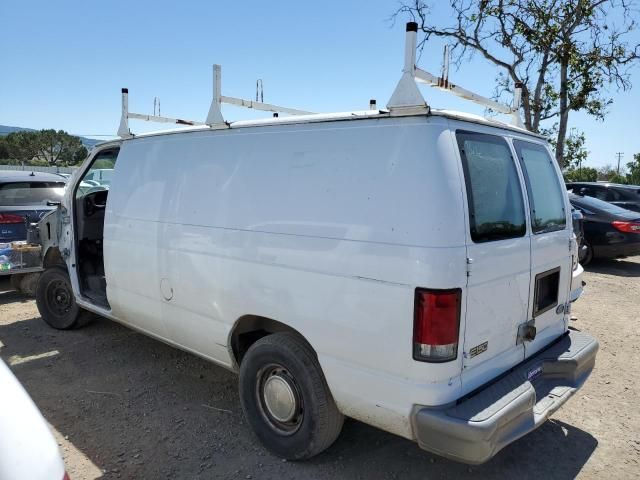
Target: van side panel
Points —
{"points": [[328, 228]]}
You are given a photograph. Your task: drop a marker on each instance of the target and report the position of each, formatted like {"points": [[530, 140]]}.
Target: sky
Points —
{"points": [[63, 64]]}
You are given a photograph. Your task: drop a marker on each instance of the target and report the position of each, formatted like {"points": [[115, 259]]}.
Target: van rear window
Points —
{"points": [[30, 193], [496, 207], [546, 195]]}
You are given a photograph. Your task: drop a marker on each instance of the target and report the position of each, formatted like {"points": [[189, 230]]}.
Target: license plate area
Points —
{"points": [[546, 291]]}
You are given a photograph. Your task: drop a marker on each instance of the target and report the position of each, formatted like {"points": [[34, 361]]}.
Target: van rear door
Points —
{"points": [[498, 256], [551, 244]]}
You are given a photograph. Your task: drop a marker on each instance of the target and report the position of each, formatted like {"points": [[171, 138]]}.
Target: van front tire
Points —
{"points": [[56, 302], [285, 397]]}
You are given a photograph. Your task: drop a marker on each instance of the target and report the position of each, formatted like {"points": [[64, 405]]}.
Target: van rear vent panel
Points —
{"points": [[546, 294]]}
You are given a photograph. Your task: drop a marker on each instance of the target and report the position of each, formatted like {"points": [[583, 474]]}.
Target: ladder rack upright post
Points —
{"points": [[407, 97]]}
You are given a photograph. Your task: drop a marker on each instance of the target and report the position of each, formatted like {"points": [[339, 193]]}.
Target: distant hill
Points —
{"points": [[6, 130]]}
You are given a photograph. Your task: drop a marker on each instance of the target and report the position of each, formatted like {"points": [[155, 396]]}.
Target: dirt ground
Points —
{"points": [[125, 406]]}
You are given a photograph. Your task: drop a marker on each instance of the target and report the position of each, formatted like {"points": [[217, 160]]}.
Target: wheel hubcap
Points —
{"points": [[279, 399]]}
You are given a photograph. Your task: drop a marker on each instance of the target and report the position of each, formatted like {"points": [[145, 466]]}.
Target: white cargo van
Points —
{"points": [[409, 268]]}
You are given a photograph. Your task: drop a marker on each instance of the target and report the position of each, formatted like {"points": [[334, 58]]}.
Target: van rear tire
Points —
{"points": [[285, 397], [56, 302]]}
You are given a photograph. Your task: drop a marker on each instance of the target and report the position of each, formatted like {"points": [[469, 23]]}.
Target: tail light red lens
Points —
{"points": [[9, 218], [66, 476], [436, 325], [626, 227]]}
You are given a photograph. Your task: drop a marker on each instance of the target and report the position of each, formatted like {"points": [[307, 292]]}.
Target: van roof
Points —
{"points": [[338, 116]]}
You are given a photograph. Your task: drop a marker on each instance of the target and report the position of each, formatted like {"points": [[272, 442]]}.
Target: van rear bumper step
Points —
{"points": [[478, 427]]}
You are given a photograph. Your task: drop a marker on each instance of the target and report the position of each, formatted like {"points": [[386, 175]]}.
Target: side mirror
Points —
{"points": [[51, 203], [582, 192]]}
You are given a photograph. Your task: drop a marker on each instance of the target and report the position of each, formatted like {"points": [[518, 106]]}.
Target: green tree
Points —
{"points": [[575, 156], [584, 174], [633, 177], [4, 149], [566, 54], [58, 147], [575, 153], [616, 178], [22, 146], [45, 147], [76, 156]]}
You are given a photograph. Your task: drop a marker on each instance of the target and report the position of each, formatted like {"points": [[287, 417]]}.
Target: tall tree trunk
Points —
{"points": [[564, 110], [537, 96]]}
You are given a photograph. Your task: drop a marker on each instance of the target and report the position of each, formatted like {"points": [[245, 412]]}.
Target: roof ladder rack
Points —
{"points": [[214, 117], [407, 98]]}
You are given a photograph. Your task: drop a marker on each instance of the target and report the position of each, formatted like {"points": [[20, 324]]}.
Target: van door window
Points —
{"points": [[496, 207], [98, 177], [546, 197]]}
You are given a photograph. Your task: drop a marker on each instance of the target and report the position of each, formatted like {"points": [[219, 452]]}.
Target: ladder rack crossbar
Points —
{"points": [[156, 118], [265, 107], [443, 84]]}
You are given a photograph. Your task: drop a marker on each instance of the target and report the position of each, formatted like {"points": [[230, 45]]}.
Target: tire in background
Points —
{"points": [[588, 257], [25, 283]]}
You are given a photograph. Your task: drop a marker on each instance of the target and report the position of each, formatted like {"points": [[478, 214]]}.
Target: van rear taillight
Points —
{"points": [[6, 218], [627, 227], [436, 325]]}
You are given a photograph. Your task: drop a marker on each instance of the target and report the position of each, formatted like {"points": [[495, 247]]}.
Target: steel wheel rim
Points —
{"points": [[279, 399], [59, 298]]}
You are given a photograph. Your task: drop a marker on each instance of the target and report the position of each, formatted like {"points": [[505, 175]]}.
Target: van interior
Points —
{"points": [[91, 202]]}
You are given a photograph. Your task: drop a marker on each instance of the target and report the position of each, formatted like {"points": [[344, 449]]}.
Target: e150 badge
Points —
{"points": [[478, 349]]}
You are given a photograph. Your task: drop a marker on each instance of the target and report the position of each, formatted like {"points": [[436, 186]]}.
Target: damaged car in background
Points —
{"points": [[25, 198]]}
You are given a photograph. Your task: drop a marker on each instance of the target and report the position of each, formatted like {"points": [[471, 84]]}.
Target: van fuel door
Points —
{"points": [[526, 332]]}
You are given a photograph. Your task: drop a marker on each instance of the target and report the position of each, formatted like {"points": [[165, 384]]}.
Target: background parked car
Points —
{"points": [[23, 200], [609, 231], [625, 196], [27, 448], [578, 228]]}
